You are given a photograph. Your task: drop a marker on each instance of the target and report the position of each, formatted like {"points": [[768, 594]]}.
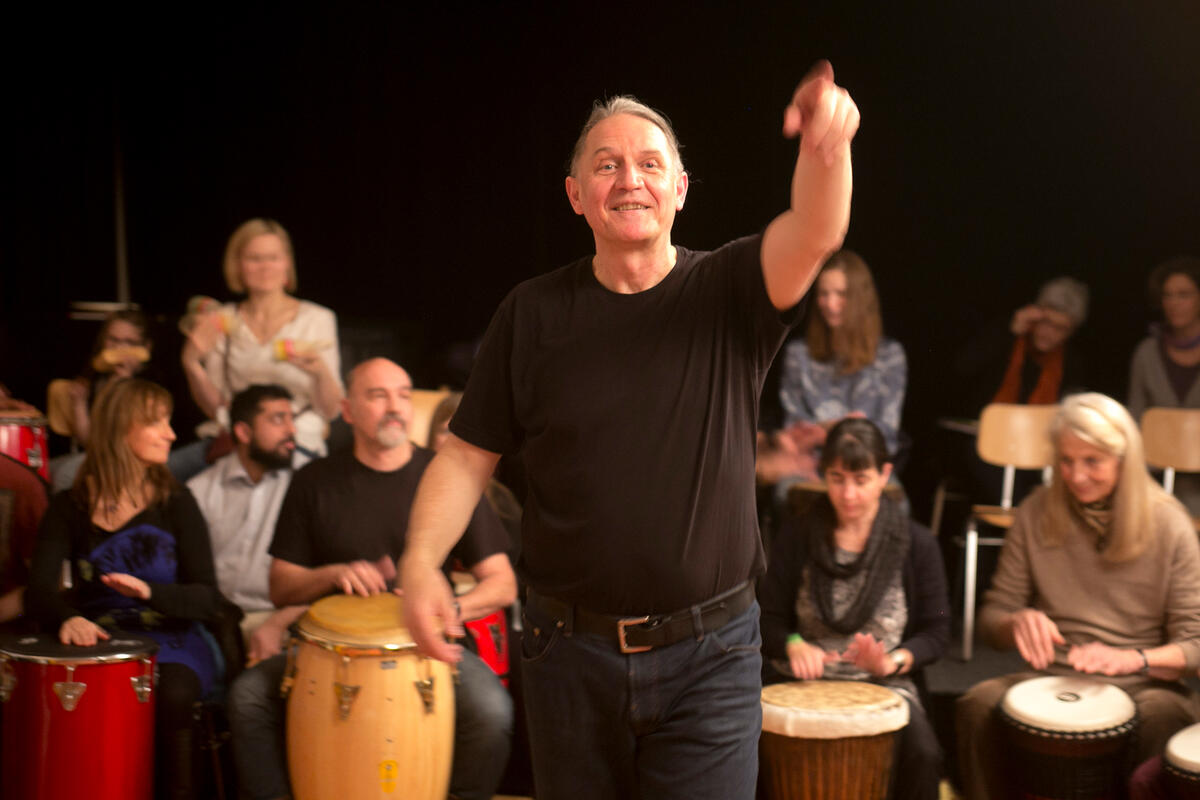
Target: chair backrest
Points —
{"points": [[1014, 435], [424, 401], [1171, 437]]}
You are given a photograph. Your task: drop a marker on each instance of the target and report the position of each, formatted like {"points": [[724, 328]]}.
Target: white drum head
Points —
{"points": [[1183, 749], [832, 709], [1068, 703]]}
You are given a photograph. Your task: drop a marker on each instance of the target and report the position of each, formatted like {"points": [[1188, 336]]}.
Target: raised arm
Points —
{"points": [[449, 491], [799, 240]]}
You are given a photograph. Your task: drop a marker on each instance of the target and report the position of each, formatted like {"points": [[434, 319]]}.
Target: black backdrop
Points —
{"points": [[417, 155]]}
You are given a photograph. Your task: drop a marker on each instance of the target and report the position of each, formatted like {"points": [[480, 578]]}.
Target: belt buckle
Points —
{"points": [[621, 625]]}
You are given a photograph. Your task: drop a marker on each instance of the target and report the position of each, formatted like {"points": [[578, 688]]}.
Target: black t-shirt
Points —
{"points": [[337, 510], [636, 416]]}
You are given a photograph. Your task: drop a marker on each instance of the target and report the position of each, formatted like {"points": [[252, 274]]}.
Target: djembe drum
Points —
{"points": [[828, 740], [1067, 737], [1181, 763], [368, 716]]}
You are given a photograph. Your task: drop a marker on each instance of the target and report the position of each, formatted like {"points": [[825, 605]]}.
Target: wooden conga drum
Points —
{"points": [[1181, 763], [1067, 737], [368, 717], [828, 740]]}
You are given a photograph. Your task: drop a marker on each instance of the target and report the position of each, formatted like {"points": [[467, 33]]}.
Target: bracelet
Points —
{"points": [[1145, 670], [795, 638]]}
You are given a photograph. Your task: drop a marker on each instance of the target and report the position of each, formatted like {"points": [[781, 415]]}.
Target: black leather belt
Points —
{"points": [[638, 634]]}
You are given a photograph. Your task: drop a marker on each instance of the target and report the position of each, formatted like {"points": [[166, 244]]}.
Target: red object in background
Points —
{"points": [[23, 438], [78, 721], [490, 634]]}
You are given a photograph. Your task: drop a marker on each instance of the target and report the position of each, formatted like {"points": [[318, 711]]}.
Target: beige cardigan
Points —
{"points": [[1149, 601]]}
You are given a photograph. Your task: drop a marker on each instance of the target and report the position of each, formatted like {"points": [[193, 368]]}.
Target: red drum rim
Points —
{"points": [[132, 649]]}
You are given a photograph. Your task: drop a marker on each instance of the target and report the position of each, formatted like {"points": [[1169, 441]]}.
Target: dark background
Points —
{"points": [[417, 157]]}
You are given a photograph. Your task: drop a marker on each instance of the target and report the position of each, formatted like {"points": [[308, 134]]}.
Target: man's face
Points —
{"points": [[273, 434], [625, 184], [379, 404]]}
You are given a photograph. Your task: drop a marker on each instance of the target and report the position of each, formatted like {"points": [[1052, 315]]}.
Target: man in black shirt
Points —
{"points": [[629, 381], [342, 524]]}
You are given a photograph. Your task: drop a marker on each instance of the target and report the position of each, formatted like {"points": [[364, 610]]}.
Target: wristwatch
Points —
{"points": [[899, 660]]}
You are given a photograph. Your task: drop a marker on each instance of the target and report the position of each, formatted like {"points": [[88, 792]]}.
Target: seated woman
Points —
{"points": [[140, 561], [269, 337], [121, 349], [1100, 575], [845, 366], [1166, 365], [855, 590]]}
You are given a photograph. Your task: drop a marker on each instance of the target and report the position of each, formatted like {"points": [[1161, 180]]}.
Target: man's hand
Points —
{"points": [[1035, 636], [868, 654], [822, 114], [365, 578], [1096, 658], [427, 599], [81, 631], [127, 585], [1024, 319]]}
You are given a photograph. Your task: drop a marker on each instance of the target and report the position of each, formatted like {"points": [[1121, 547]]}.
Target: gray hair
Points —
{"points": [[624, 104], [1066, 295]]}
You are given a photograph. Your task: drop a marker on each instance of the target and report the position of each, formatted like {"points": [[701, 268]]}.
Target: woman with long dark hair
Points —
{"points": [[139, 561]]}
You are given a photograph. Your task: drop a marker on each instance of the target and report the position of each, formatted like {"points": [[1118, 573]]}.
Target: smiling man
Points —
{"points": [[629, 381]]}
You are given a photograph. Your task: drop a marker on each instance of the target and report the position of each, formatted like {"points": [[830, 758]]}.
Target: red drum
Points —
{"points": [[23, 438], [490, 635], [78, 721]]}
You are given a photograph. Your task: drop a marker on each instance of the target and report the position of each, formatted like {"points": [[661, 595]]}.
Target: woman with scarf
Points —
{"points": [[140, 561], [855, 590], [1100, 575]]}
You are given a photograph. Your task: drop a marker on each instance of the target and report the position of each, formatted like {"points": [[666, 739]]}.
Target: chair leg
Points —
{"points": [[970, 565], [939, 502]]}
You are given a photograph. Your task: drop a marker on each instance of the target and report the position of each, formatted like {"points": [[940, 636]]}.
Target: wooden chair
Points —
{"points": [[1171, 437], [1014, 437]]}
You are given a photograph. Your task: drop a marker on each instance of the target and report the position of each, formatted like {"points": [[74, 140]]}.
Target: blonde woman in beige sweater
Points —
{"points": [[1100, 575]]}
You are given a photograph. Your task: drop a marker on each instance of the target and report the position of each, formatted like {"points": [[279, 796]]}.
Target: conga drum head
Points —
{"points": [[47, 650], [828, 739], [351, 621]]}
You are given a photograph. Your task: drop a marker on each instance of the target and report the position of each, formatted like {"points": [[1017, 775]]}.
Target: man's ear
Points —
{"points": [[242, 432], [573, 188]]}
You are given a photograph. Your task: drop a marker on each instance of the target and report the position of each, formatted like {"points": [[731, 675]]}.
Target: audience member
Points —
{"points": [[855, 590], [139, 561], [343, 523], [240, 496], [1166, 364], [843, 367], [1100, 575], [269, 337], [22, 504]]}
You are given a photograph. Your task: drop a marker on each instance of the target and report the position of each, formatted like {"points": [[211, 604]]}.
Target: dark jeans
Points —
{"points": [[483, 723], [680, 721]]}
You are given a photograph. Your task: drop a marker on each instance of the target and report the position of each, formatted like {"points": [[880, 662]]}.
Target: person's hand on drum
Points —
{"points": [[1098, 658], [427, 599], [81, 631], [365, 578], [868, 654], [1035, 635], [266, 641], [127, 585], [807, 660]]}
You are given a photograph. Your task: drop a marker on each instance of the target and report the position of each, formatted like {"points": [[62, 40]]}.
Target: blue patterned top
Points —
{"points": [[815, 391]]}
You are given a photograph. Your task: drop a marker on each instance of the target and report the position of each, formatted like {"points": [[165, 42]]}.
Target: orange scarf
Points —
{"points": [[1049, 382]]}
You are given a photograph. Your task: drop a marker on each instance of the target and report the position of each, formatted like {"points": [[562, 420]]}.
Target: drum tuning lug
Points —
{"points": [[8, 680], [289, 670], [141, 687], [425, 689], [345, 695], [69, 691]]}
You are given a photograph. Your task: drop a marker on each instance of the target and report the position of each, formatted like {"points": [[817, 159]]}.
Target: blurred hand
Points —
{"points": [[81, 631], [1024, 319], [428, 598], [1096, 658], [822, 114], [365, 578], [127, 585], [808, 661], [868, 654], [1035, 636]]}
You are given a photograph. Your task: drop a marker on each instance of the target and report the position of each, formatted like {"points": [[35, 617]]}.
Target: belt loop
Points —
{"points": [[697, 623]]}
